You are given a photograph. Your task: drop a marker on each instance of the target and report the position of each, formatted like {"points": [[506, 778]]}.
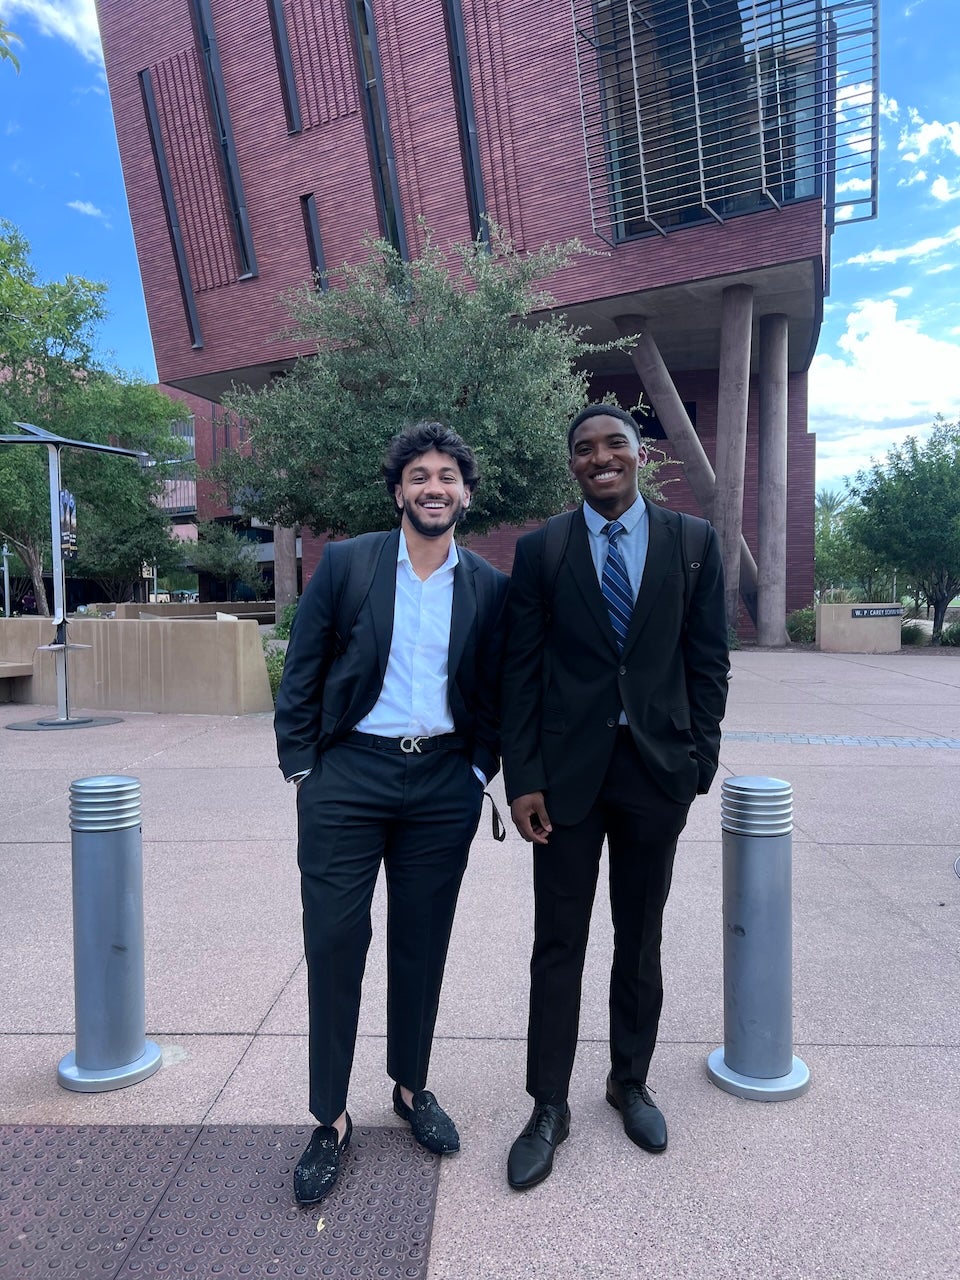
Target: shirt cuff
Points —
{"points": [[480, 774]]}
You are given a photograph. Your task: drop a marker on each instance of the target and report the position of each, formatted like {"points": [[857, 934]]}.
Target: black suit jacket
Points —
{"points": [[565, 680], [325, 692]]}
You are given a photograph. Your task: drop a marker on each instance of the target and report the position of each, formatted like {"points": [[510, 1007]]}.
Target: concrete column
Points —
{"points": [[733, 396], [662, 393], [284, 565], [772, 497]]}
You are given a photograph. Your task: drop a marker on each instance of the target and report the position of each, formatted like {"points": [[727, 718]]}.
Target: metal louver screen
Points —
{"points": [[699, 109]]}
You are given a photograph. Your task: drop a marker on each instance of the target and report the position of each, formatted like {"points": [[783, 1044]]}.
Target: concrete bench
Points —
{"points": [[13, 670]]}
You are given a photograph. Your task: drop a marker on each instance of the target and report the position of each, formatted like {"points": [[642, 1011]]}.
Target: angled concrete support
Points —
{"points": [[772, 493], [663, 396], [733, 396]]}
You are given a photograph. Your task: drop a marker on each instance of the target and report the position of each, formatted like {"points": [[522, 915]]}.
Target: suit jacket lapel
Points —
{"points": [[581, 565], [463, 614], [382, 597], [660, 548]]}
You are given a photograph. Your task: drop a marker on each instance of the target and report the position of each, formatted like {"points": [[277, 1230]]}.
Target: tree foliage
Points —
{"points": [[7, 38], [402, 341], [225, 556], [908, 513], [53, 379]]}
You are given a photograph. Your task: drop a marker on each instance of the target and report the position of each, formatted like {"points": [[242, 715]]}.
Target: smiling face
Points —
{"points": [[431, 494], [605, 456]]}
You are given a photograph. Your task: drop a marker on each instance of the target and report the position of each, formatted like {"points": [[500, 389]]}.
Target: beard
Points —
{"points": [[429, 530]]}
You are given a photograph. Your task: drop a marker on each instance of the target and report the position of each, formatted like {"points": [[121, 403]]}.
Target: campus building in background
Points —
{"points": [[709, 150]]}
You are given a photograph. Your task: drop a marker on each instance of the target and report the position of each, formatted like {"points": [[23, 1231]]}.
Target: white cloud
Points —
{"points": [[13, 126], [855, 184], [918, 175], [885, 380], [942, 189], [904, 291], [72, 20], [924, 138], [915, 253], [889, 107], [944, 266], [85, 207]]}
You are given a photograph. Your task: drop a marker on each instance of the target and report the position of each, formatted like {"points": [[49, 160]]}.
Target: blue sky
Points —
{"points": [[889, 352]]}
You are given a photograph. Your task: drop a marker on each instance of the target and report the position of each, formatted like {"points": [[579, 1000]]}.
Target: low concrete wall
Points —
{"points": [[204, 667], [859, 628], [260, 610]]}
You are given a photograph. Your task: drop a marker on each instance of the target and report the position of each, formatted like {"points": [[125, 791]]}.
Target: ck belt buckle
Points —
{"points": [[410, 744]]}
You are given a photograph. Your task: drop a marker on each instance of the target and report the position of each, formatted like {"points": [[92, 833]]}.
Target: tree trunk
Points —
{"points": [[31, 557], [940, 602], [284, 566]]}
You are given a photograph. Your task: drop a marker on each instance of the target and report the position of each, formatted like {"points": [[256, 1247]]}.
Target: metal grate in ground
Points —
{"points": [[140, 1203], [841, 739]]}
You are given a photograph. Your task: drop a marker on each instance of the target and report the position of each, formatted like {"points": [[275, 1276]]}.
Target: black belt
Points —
{"points": [[409, 745]]}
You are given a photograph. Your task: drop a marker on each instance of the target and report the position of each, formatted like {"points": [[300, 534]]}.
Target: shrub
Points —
{"points": [[912, 633], [951, 635], [285, 621], [275, 657], [802, 625]]}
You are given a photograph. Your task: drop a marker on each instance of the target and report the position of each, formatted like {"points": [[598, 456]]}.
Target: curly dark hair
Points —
{"points": [[413, 442], [602, 411]]}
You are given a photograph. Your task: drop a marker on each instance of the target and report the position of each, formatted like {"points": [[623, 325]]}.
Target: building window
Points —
{"points": [[288, 83], [383, 163], [466, 119], [220, 117], [311, 227], [170, 210]]}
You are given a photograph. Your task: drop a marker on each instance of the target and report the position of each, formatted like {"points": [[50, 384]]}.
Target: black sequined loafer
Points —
{"points": [[430, 1124], [319, 1166]]}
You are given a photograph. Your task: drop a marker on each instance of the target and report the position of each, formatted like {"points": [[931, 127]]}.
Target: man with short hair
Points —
{"points": [[387, 720], [615, 681]]}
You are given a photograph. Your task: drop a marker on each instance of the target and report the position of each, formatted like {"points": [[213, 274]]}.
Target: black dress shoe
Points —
{"points": [[531, 1156], [643, 1121], [318, 1167], [431, 1125]]}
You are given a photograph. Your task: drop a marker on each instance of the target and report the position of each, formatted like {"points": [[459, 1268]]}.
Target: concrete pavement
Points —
{"points": [[858, 1178]]}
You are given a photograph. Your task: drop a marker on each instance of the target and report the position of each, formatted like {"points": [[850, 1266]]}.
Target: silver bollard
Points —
{"points": [[108, 976], [757, 1059]]}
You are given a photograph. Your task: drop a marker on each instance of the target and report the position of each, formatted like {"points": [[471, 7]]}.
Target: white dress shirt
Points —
{"points": [[414, 699]]}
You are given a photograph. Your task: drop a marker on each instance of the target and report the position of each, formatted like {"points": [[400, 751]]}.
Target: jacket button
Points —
{"points": [[622, 671], [611, 723]]}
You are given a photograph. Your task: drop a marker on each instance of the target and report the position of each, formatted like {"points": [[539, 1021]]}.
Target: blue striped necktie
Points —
{"points": [[615, 584]]}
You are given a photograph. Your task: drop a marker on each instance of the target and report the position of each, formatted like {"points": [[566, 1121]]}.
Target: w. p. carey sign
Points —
{"points": [[884, 611]]}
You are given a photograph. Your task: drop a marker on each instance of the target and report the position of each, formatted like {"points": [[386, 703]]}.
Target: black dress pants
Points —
{"points": [[642, 825], [418, 815]]}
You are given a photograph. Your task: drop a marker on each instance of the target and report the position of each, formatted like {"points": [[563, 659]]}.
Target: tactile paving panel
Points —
{"points": [[74, 1200], [137, 1203]]}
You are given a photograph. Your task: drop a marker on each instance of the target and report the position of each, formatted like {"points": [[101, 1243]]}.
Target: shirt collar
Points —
{"points": [[630, 519], [451, 562]]}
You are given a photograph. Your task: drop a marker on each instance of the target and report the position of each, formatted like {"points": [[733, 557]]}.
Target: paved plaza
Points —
{"points": [[858, 1178]]}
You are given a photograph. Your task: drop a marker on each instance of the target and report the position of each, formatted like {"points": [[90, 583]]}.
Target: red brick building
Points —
{"points": [[706, 149]]}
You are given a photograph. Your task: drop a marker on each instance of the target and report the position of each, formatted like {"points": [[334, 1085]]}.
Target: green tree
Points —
{"points": [[6, 53], [53, 379], [225, 556], [909, 514], [402, 341]]}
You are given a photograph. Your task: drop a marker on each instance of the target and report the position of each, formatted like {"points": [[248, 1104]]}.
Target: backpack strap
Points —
{"points": [[693, 549]]}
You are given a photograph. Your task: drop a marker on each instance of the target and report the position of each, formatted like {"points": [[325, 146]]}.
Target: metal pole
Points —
{"points": [[757, 1059], [108, 967], [6, 582]]}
